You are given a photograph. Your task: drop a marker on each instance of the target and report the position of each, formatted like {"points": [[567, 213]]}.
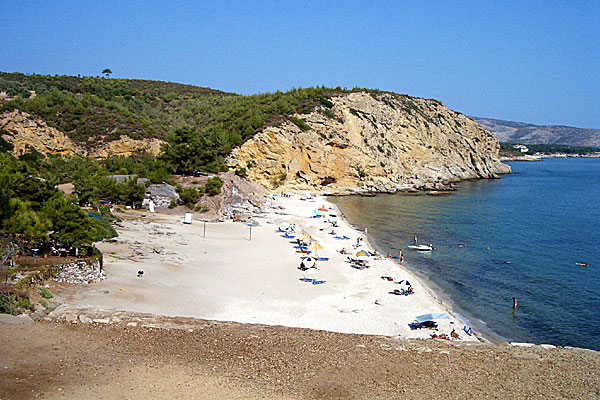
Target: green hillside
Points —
{"points": [[87, 108]]}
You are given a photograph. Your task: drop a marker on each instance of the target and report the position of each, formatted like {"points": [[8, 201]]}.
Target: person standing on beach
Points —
{"points": [[400, 256], [514, 303]]}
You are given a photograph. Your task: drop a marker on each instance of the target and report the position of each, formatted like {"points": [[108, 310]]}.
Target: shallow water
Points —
{"points": [[494, 239]]}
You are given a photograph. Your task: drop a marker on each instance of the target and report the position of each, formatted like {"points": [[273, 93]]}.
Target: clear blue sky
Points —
{"points": [[529, 61]]}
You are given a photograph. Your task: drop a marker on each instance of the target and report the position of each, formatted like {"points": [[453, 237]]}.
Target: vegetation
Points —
{"points": [[45, 292], [94, 107]]}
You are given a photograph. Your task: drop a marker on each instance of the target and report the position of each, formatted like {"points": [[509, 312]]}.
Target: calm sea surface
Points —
{"points": [[521, 236]]}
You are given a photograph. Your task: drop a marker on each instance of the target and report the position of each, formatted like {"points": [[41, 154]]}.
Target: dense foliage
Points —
{"points": [[201, 125], [34, 209]]}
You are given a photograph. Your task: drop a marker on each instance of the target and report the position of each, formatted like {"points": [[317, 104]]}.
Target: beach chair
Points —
{"points": [[323, 259], [317, 282], [305, 279], [288, 236], [468, 331]]}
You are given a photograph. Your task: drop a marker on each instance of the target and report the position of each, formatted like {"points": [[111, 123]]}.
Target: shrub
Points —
{"points": [[325, 102], [201, 208], [189, 196], [213, 186], [23, 303], [241, 172], [300, 123], [173, 203], [45, 292], [43, 302]]}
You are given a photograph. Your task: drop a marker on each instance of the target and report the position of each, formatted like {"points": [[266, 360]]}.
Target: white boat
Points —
{"points": [[421, 247]]}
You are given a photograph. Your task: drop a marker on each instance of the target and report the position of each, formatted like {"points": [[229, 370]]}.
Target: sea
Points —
{"points": [[519, 236]]}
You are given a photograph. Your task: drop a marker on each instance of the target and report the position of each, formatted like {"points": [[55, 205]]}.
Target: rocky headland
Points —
{"points": [[371, 142]]}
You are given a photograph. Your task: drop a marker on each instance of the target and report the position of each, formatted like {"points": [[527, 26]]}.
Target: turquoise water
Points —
{"points": [[521, 236]]}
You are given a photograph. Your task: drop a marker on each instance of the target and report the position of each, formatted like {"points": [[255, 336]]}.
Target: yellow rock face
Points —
{"points": [[27, 130], [374, 142]]}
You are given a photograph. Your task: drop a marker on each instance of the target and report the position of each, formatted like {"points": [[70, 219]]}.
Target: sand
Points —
{"points": [[229, 271]]}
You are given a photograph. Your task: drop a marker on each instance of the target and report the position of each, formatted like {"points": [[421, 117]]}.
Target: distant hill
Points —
{"points": [[519, 132]]}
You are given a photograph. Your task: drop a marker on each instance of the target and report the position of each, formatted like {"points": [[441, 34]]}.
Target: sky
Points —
{"points": [[529, 61]]}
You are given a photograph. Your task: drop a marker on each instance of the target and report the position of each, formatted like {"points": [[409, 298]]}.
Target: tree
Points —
{"points": [[69, 221], [26, 223], [8, 249], [107, 72]]}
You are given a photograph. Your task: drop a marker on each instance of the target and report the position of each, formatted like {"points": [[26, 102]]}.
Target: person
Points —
{"points": [[389, 255], [410, 289], [514, 303], [454, 334], [314, 266], [302, 266], [401, 259], [415, 240]]}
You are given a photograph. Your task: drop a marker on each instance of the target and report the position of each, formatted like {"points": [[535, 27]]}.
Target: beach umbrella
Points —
{"points": [[431, 317], [361, 253], [363, 258], [315, 246], [305, 236]]}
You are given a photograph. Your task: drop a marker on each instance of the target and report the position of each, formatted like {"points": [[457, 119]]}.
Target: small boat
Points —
{"points": [[421, 247], [581, 264]]}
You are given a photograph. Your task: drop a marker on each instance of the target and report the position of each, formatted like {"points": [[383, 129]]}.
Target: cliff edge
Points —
{"points": [[371, 142]]}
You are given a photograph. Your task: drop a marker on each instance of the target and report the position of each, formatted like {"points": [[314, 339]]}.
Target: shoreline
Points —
{"points": [[480, 328], [227, 277]]}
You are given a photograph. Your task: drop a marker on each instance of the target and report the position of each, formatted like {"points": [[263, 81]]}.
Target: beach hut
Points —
{"points": [[187, 218]]}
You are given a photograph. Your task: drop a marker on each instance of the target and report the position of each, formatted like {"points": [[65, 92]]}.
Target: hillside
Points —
{"points": [[380, 142], [519, 132], [314, 138]]}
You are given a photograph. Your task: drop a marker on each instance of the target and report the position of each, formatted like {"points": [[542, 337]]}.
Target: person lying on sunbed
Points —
{"points": [[454, 334]]}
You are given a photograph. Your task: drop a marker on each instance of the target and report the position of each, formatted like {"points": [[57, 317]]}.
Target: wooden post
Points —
{"points": [[204, 234], [250, 233]]}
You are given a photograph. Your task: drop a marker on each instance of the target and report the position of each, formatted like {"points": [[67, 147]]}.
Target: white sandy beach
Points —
{"points": [[227, 276]]}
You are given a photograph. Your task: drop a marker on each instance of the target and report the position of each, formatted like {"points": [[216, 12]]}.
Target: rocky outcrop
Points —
{"points": [[373, 142], [26, 130]]}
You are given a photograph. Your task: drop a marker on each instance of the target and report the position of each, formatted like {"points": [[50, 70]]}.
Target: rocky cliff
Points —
{"points": [[24, 129], [373, 142]]}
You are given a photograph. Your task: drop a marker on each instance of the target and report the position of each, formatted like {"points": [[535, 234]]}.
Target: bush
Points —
{"points": [[201, 208], [43, 302], [23, 303], [104, 230], [213, 186], [241, 172], [300, 123], [45, 292], [325, 102], [173, 203], [189, 196]]}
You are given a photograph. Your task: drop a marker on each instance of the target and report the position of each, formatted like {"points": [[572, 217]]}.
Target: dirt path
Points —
{"points": [[228, 360]]}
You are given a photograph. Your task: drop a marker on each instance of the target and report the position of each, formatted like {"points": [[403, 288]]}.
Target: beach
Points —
{"points": [[230, 271]]}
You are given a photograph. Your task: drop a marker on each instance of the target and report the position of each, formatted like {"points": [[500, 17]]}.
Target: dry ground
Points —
{"points": [[229, 360]]}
